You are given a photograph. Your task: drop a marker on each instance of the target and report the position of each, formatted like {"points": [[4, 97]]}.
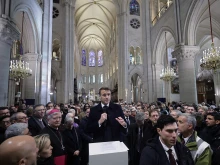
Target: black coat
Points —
{"points": [[154, 154], [86, 139], [34, 126], [72, 143], [212, 136], [131, 142], [112, 130], [48, 161], [55, 141], [150, 132]]}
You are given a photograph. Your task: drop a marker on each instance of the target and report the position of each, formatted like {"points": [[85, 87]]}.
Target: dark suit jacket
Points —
{"points": [[112, 130], [131, 142], [154, 154], [34, 126]]}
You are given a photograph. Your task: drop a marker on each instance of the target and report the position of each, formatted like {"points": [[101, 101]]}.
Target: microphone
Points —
{"points": [[105, 111]]}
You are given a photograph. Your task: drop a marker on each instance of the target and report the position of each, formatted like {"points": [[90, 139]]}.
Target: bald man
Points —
{"points": [[18, 150]]}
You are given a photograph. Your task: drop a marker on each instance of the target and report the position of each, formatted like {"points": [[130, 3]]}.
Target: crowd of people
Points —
{"points": [[155, 133]]}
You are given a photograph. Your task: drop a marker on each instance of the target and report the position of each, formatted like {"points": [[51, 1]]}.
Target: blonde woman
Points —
{"points": [[44, 156]]}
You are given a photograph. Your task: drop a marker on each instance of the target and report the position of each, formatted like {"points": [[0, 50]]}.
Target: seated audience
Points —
{"points": [[19, 150], [44, 156]]}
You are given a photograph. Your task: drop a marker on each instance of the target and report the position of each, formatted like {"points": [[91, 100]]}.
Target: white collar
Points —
{"points": [[104, 105], [165, 147]]}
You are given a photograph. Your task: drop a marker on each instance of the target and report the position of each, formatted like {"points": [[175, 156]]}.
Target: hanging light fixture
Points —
{"points": [[167, 73], [211, 57], [18, 68]]}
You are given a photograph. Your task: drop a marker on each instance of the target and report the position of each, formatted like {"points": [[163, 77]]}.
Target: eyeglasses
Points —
{"points": [[6, 122], [4, 114]]}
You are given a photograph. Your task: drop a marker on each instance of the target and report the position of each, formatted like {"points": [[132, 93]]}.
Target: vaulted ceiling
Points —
{"points": [[94, 20]]}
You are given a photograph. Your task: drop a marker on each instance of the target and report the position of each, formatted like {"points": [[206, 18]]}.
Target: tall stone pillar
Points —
{"points": [[216, 77], [160, 86], [46, 52], [149, 94], [11, 92], [32, 83], [8, 33], [186, 66], [68, 53], [122, 55]]}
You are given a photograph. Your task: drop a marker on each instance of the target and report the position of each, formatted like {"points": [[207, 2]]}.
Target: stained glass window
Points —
{"points": [[91, 58], [134, 8], [100, 58], [83, 57]]}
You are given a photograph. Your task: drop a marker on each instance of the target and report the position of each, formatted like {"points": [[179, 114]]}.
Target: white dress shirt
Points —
{"points": [[166, 149]]}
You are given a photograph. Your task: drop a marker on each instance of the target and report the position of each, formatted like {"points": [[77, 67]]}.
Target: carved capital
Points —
{"points": [[182, 53], [8, 31]]}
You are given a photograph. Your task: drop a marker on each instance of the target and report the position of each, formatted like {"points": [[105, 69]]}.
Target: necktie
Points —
{"points": [[105, 108], [171, 157], [127, 120], [42, 124], [139, 139]]}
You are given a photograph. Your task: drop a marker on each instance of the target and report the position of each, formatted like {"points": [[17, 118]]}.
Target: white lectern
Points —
{"points": [[108, 153]]}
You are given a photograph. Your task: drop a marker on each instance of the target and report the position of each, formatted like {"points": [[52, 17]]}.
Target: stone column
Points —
{"points": [[68, 53], [46, 48], [122, 55], [8, 33], [186, 66], [216, 77], [149, 94], [160, 86], [32, 83], [11, 92]]}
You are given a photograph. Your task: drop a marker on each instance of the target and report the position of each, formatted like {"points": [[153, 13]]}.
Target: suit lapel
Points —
{"points": [[161, 152], [37, 123]]}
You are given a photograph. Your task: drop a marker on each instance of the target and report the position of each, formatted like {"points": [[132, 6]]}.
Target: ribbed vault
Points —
{"points": [[94, 20]]}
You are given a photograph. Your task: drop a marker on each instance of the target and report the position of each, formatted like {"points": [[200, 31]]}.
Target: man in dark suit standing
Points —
{"points": [[37, 122], [106, 120], [165, 150]]}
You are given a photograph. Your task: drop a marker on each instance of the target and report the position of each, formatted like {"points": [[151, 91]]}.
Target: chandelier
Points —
{"points": [[167, 73], [18, 68], [211, 57]]}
